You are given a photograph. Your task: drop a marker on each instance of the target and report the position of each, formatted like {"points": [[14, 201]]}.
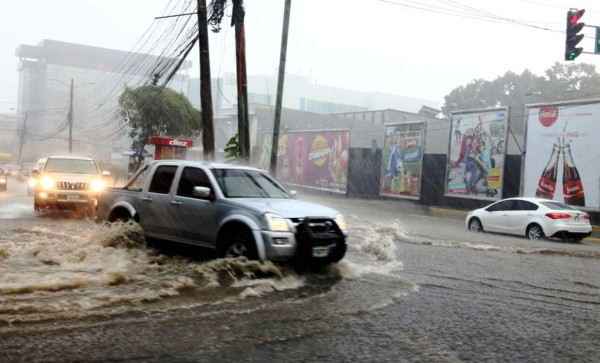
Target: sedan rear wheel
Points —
{"points": [[535, 232], [475, 225]]}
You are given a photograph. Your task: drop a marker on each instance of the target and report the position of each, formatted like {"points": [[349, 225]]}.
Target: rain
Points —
{"points": [[402, 116]]}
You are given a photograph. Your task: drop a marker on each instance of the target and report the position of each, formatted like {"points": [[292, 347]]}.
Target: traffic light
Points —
{"points": [[573, 27]]}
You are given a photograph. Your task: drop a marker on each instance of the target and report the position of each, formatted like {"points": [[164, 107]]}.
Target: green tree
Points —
{"points": [[562, 82], [232, 149], [156, 111]]}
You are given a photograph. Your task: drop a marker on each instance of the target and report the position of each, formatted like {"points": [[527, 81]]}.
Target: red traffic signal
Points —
{"points": [[572, 38], [574, 16]]}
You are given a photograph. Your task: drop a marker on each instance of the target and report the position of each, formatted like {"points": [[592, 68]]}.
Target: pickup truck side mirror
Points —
{"points": [[106, 173], [35, 173], [294, 194], [202, 192]]}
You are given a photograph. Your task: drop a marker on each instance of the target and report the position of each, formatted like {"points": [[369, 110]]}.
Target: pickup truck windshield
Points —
{"points": [[239, 183], [79, 166]]}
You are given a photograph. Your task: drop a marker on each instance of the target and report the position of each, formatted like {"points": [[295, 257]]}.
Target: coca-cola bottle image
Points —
{"points": [[547, 183], [572, 187]]}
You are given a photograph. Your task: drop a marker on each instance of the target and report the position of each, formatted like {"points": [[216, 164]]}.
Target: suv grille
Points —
{"points": [[72, 186]]}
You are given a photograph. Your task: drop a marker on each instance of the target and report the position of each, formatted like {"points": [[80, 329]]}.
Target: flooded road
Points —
{"points": [[411, 288]]}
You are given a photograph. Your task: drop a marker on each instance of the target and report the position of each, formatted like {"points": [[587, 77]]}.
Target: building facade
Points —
{"points": [[68, 97], [305, 94]]}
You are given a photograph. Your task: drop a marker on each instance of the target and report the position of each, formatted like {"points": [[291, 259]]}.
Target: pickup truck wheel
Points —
{"points": [[238, 245]]}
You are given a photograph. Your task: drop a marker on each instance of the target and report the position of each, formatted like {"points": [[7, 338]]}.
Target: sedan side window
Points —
{"points": [[503, 205], [525, 205], [190, 178]]}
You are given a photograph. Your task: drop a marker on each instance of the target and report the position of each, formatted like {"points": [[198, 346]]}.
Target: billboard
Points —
{"points": [[476, 153], [314, 159], [402, 160], [562, 153]]}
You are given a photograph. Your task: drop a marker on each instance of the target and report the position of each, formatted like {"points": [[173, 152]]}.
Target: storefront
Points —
{"points": [[168, 148]]}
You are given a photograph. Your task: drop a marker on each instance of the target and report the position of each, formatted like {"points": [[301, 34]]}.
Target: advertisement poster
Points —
{"points": [[402, 160], [476, 155], [562, 153], [315, 159]]}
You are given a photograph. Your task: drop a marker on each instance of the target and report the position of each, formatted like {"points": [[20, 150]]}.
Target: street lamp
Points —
{"points": [[70, 114]]}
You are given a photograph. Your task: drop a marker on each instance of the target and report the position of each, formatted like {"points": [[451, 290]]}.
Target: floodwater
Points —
{"points": [[69, 268]]}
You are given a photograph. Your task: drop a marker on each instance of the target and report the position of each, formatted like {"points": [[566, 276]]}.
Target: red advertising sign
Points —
{"points": [[169, 148], [316, 159], [155, 140]]}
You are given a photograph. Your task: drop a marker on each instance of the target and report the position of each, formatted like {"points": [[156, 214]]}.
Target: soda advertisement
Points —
{"points": [[561, 162], [315, 159], [402, 160], [477, 152]]}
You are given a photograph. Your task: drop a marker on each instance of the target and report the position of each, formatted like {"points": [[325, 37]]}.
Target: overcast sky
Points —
{"points": [[421, 48]]}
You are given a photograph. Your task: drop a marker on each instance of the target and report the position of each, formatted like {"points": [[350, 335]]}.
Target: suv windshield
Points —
{"points": [[79, 166]]}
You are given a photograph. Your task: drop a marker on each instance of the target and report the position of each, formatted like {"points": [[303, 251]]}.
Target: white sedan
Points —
{"points": [[534, 218]]}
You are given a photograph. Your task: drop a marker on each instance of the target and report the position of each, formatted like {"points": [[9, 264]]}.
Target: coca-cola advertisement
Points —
{"points": [[476, 153], [314, 159], [402, 160], [562, 153]]}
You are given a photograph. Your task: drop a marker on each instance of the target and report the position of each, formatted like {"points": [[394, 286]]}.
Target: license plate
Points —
{"points": [[320, 251], [72, 198]]}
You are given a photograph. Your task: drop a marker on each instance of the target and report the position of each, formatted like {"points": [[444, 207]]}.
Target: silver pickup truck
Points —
{"points": [[236, 210]]}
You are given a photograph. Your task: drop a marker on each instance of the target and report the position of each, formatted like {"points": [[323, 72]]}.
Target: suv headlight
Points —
{"points": [[97, 185], [339, 219], [276, 223], [47, 182]]}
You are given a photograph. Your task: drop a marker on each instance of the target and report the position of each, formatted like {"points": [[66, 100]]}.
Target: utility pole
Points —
{"points": [[208, 133], [280, 78], [22, 137], [242, 82], [70, 118]]}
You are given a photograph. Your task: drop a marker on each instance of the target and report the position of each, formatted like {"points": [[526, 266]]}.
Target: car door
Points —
{"points": [[194, 216], [520, 216], [497, 216], [155, 218]]}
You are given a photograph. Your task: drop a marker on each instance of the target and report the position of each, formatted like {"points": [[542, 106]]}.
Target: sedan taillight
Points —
{"points": [[586, 217], [558, 215]]}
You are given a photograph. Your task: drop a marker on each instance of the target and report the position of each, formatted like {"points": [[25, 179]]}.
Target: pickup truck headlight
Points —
{"points": [[277, 223], [97, 185], [339, 220], [47, 182]]}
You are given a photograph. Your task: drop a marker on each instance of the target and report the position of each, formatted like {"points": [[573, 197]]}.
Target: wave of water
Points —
{"points": [[65, 270]]}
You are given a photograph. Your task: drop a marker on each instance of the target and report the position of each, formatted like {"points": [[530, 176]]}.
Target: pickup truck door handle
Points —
{"points": [[146, 199], [176, 203]]}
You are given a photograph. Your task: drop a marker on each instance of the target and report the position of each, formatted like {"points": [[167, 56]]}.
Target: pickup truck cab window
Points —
{"points": [[162, 179], [190, 178]]}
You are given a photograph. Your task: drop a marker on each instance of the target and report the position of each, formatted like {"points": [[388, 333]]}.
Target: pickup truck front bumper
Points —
{"points": [[315, 241]]}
